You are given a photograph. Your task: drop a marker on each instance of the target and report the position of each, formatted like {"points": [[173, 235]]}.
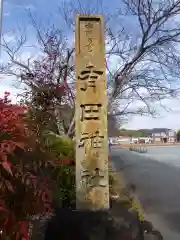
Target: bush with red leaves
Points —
{"points": [[23, 189]]}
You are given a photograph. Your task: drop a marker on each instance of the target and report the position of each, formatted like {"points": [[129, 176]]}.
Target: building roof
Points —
{"points": [[157, 130], [124, 137]]}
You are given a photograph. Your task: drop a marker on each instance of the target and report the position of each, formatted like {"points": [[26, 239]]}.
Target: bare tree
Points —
{"points": [[146, 56], [49, 78], [149, 67]]}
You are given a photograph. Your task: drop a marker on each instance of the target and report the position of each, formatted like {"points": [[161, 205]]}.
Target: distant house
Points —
{"points": [[125, 139], [147, 140], [163, 135], [113, 140], [134, 140]]}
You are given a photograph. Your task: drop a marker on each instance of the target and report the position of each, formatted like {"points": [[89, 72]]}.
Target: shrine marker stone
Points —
{"points": [[92, 181]]}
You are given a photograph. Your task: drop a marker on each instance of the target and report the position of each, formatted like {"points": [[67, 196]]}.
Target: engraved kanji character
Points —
{"points": [[83, 139], [89, 77], [90, 111], [90, 43], [97, 140], [94, 178], [89, 25]]}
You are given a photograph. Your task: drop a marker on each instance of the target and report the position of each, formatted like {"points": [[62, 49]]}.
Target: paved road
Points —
{"points": [[157, 186]]}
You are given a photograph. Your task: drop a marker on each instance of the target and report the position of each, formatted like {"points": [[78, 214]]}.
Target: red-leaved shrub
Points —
{"points": [[23, 189]]}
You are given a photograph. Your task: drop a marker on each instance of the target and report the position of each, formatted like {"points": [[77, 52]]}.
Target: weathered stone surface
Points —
{"points": [[92, 188]]}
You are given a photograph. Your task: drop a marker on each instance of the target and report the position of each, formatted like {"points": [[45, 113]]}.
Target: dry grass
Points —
{"points": [[121, 192]]}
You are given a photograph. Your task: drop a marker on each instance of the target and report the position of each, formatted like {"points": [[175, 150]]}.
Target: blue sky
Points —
{"points": [[16, 13], [45, 12]]}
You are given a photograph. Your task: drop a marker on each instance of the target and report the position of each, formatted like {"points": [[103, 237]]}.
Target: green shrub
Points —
{"points": [[62, 175]]}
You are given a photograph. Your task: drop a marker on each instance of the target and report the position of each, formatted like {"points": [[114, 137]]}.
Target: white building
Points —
{"points": [[163, 135]]}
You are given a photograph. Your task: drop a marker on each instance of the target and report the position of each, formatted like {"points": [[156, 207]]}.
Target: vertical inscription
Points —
{"points": [[89, 31], [92, 187]]}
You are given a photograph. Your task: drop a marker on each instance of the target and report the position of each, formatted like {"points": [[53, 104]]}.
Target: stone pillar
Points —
{"points": [[92, 181]]}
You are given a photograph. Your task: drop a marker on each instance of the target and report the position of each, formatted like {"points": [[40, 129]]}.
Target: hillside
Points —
{"points": [[141, 132]]}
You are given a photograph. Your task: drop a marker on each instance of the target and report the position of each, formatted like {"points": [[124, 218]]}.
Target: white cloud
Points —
{"points": [[5, 80], [13, 93], [168, 119], [9, 37], [26, 56], [10, 83]]}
